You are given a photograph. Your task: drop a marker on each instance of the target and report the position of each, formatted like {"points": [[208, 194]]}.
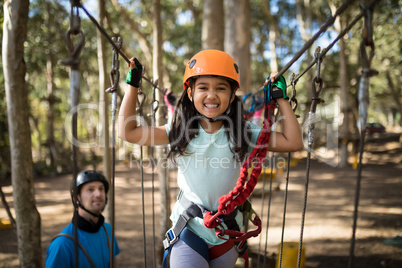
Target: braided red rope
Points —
{"points": [[239, 194]]}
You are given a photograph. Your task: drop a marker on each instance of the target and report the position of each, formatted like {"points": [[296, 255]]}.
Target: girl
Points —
{"points": [[209, 140]]}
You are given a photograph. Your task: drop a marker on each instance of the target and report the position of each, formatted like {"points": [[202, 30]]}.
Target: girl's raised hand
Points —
{"points": [[272, 76], [135, 73]]}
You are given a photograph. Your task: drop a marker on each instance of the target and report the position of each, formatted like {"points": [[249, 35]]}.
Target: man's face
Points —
{"points": [[93, 197]]}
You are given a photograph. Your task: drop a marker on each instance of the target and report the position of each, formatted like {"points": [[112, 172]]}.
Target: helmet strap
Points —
{"points": [[93, 214]]}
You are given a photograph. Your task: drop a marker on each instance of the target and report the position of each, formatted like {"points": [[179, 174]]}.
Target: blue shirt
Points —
{"points": [[61, 253]]}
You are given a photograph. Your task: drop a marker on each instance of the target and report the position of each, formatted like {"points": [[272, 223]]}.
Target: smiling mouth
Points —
{"points": [[211, 105]]}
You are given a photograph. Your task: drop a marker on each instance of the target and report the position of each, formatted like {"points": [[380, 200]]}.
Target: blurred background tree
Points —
{"points": [[278, 30]]}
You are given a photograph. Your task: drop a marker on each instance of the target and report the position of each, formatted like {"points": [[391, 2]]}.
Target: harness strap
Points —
{"points": [[192, 210], [196, 243], [81, 247], [79, 244], [188, 237], [172, 235], [199, 245]]}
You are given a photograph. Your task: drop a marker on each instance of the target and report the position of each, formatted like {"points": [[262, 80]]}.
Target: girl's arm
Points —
{"points": [[127, 121], [290, 139]]}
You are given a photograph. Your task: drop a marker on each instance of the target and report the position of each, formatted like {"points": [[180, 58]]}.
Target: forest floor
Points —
{"points": [[328, 222]]}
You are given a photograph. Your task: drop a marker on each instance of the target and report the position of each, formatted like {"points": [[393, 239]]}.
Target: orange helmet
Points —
{"points": [[212, 62]]}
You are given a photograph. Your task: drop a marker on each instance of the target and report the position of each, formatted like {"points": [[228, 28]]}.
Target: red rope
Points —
{"points": [[239, 194], [236, 236]]}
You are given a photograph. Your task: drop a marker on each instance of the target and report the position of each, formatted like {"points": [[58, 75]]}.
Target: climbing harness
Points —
{"points": [[192, 210], [241, 192], [229, 204]]}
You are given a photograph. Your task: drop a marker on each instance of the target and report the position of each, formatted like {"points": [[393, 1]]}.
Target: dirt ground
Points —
{"points": [[328, 223]]}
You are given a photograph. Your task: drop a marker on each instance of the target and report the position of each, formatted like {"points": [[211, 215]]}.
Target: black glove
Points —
{"points": [[134, 75], [280, 83]]}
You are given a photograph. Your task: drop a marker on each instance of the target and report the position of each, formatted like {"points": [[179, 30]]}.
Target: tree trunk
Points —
{"points": [[14, 68], [395, 92], [213, 25], [51, 152], [304, 20], [272, 37], [238, 38], [344, 132], [103, 107]]}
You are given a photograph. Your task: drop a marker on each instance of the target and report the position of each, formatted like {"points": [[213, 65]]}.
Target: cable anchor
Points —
{"points": [[115, 73], [293, 101], [75, 29]]}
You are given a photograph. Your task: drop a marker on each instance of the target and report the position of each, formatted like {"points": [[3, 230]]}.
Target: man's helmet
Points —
{"points": [[85, 177], [211, 62]]}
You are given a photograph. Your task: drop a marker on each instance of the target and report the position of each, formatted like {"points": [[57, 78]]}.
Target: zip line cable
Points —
{"points": [[284, 211], [328, 48], [367, 8], [262, 210], [269, 210], [140, 106], [109, 39], [310, 42], [285, 201], [311, 119], [154, 109], [114, 77], [75, 80]]}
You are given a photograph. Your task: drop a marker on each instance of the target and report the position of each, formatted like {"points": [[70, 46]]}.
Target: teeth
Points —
{"points": [[211, 105]]}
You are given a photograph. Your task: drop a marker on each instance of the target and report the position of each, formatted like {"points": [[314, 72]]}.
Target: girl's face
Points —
{"points": [[211, 96]]}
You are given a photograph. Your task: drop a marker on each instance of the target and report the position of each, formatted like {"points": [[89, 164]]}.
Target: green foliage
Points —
{"points": [[387, 61], [182, 22]]}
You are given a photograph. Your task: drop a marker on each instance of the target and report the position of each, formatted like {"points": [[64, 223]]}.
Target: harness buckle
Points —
{"points": [[241, 247], [171, 238], [250, 211]]}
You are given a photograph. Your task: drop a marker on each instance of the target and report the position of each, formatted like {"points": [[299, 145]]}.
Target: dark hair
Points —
{"points": [[184, 126]]}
